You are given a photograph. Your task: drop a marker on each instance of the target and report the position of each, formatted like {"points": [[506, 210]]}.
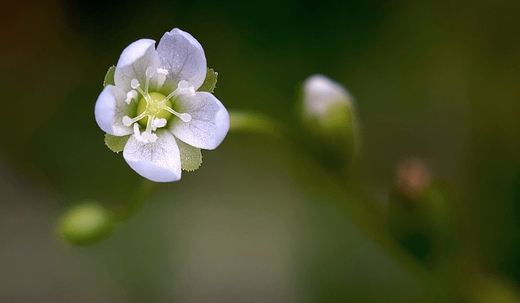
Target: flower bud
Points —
{"points": [[413, 178], [421, 213], [328, 115], [85, 223]]}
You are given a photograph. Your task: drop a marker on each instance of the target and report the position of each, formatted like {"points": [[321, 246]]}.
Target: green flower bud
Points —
{"points": [[85, 223], [329, 118]]}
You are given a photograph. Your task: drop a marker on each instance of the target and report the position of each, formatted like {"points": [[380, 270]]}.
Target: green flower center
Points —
{"points": [[154, 110], [154, 107]]}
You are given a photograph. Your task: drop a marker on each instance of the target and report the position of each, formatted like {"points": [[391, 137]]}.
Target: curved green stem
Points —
{"points": [[136, 200], [247, 122]]}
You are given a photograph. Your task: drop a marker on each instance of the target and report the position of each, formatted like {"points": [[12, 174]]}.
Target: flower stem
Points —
{"points": [[247, 122], [136, 200]]}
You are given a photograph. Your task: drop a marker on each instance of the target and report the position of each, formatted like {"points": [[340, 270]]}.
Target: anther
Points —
{"points": [[158, 123], [130, 95], [162, 71]]}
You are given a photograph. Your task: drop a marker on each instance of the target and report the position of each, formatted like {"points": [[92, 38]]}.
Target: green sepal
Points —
{"points": [[210, 82], [109, 77], [191, 157], [115, 143]]}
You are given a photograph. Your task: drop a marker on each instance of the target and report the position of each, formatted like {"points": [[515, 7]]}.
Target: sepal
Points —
{"points": [[116, 143], [191, 157], [109, 76], [210, 82]]}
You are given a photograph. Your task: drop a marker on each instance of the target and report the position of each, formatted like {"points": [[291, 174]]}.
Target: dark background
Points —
{"points": [[432, 79]]}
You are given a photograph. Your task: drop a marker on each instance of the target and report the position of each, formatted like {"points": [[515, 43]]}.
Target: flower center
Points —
{"points": [[154, 110]]}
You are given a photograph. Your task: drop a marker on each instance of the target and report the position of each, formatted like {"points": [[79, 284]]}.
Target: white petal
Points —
{"points": [[110, 109], [158, 161], [134, 61], [209, 120], [183, 57]]}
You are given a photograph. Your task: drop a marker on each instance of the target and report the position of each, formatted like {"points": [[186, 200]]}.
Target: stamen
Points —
{"points": [[130, 95], [158, 123], [135, 85], [127, 121], [147, 137], [162, 71], [185, 117], [138, 88], [175, 92]]}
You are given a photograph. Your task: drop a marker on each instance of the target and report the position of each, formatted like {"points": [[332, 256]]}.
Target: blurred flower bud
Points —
{"points": [[421, 213], [413, 177], [85, 223], [329, 117]]}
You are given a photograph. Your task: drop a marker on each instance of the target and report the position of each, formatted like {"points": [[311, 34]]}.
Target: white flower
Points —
{"points": [[155, 100]]}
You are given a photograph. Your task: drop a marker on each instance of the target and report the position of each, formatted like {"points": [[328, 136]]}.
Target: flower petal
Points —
{"points": [[134, 61], [183, 57], [209, 120], [158, 161], [110, 109]]}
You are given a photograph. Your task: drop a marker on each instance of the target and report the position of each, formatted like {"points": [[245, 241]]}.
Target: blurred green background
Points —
{"points": [[438, 80]]}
